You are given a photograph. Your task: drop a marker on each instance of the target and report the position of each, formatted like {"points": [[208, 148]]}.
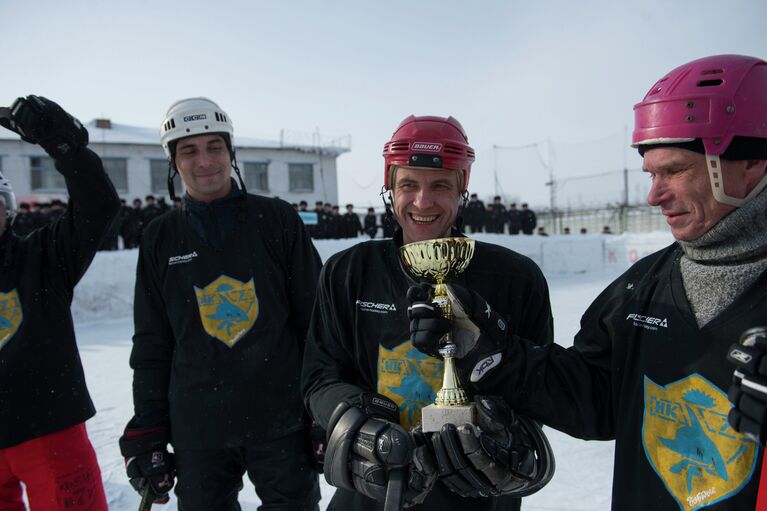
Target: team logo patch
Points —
{"points": [[228, 308], [690, 444], [10, 316], [410, 379]]}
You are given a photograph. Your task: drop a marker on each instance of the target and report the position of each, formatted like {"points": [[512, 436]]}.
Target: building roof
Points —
{"points": [[126, 134]]}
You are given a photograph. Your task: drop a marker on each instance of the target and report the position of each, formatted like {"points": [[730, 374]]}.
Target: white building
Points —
{"points": [[136, 163]]}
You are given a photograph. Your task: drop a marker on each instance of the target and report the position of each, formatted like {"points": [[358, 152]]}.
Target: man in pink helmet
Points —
{"points": [[366, 377], [649, 368]]}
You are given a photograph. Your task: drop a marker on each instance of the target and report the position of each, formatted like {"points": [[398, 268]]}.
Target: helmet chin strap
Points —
{"points": [[714, 165]]}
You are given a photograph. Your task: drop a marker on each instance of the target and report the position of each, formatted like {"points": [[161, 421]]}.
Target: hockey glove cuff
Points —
{"points": [[147, 461]]}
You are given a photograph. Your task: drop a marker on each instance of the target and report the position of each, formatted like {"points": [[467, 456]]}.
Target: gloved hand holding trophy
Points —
{"points": [[481, 448]]}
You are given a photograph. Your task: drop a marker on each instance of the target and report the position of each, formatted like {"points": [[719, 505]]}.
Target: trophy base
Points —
{"points": [[433, 417]]}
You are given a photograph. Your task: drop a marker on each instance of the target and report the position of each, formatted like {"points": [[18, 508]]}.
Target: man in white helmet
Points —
{"points": [[649, 367], [224, 291], [44, 401]]}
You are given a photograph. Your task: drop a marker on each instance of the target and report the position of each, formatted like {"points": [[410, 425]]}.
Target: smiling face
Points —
{"points": [[204, 163], [426, 202], [682, 189]]}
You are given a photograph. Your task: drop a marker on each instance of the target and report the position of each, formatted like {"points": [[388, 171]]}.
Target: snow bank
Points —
{"points": [[106, 291]]}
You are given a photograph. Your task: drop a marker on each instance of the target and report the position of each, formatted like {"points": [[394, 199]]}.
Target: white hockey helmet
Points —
{"points": [[7, 197], [194, 116]]}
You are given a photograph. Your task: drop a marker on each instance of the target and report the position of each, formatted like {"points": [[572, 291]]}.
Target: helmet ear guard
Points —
{"points": [[719, 100]]}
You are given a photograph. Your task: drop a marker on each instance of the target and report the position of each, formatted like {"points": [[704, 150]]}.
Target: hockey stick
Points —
{"points": [[395, 490], [147, 499]]}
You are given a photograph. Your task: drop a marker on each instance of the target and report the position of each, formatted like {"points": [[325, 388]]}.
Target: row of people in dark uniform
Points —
{"points": [[495, 217], [330, 224]]}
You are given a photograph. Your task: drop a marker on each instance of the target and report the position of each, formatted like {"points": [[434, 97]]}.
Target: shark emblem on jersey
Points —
{"points": [[228, 308], [10, 316], [409, 378], [691, 446]]}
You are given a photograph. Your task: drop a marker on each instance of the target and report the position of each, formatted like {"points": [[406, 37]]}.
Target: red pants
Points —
{"points": [[60, 472]]}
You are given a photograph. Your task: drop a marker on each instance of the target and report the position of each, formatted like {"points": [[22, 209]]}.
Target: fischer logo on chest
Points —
{"points": [[181, 259], [647, 322], [379, 308]]}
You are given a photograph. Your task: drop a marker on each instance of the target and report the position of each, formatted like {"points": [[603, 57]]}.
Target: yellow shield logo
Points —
{"points": [[228, 308], [410, 379], [690, 444], [10, 316]]}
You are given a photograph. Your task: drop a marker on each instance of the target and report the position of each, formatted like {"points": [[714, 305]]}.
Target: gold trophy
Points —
{"points": [[436, 261]]}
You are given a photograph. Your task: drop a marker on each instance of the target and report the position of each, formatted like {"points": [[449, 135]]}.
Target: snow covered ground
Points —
{"points": [[577, 268]]}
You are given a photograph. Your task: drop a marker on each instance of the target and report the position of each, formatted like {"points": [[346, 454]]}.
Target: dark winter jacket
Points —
{"points": [[359, 339], [642, 372], [220, 324], [42, 385]]}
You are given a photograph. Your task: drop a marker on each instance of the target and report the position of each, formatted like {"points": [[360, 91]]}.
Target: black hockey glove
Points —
{"points": [[504, 454], [427, 325], [148, 462], [41, 121], [748, 392], [367, 449]]}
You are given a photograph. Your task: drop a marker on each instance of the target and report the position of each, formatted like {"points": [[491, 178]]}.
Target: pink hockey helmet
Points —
{"points": [[713, 99], [428, 141]]}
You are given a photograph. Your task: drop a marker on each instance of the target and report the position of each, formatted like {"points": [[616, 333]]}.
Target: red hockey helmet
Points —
{"points": [[428, 141]]}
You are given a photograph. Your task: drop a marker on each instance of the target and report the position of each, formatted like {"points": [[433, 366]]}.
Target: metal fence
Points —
{"points": [[618, 219]]}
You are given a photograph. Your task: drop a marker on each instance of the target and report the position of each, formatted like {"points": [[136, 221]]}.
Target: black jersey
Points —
{"points": [[642, 372], [220, 327], [359, 337], [42, 385]]}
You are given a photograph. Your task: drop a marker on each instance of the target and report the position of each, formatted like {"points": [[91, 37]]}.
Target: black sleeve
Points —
{"points": [[537, 321], [153, 345], [567, 389], [73, 240], [329, 362]]}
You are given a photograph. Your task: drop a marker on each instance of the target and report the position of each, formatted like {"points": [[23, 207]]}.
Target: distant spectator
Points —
{"points": [[151, 210], [58, 208], [130, 228], [496, 216], [474, 214], [319, 230], [529, 220], [371, 227], [162, 205], [606, 230], [303, 205], [335, 225], [515, 219], [542, 231], [584, 230], [24, 222], [389, 224], [566, 230], [350, 223]]}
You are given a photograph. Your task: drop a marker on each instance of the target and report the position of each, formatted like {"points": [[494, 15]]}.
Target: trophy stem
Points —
{"points": [[451, 393]]}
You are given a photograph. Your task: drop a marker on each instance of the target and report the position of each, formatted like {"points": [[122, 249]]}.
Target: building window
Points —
{"points": [[158, 170], [256, 176], [44, 176], [301, 176], [117, 170]]}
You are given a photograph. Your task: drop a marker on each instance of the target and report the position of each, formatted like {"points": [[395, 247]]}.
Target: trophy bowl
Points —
{"points": [[437, 260]]}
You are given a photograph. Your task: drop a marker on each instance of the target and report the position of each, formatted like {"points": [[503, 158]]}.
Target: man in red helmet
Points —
{"points": [[365, 377], [648, 367]]}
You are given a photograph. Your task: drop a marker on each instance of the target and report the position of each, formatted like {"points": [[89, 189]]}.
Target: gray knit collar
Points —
{"points": [[738, 237]]}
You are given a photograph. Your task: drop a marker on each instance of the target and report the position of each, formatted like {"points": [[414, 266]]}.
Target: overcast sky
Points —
{"points": [[563, 74]]}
